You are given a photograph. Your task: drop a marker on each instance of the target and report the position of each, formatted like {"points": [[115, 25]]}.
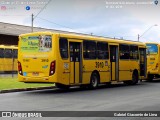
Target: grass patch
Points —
{"points": [[7, 83]]}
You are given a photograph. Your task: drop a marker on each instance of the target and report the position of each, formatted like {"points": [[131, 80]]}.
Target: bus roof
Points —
{"points": [[87, 37], [152, 43], [9, 46]]}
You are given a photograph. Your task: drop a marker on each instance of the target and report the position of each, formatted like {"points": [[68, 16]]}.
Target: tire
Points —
{"points": [[83, 86], [63, 87], [108, 84], [150, 78], [94, 81], [134, 79]]}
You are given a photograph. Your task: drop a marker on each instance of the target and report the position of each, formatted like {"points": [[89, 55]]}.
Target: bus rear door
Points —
{"points": [[114, 69], [143, 62], [75, 62]]}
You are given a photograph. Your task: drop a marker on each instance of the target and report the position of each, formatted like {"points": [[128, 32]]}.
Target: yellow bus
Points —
{"points": [[153, 60], [83, 60], [8, 58]]}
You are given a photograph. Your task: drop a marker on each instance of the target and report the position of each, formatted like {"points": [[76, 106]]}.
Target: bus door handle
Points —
{"points": [[83, 67], [77, 59], [71, 59]]}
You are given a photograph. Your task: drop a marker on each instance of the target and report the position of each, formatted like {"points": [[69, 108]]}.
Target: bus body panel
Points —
{"points": [[104, 70], [36, 65], [125, 72], [152, 62], [71, 68], [88, 65]]}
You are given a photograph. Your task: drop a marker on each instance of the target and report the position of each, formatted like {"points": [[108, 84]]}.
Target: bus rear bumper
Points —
{"points": [[49, 79], [154, 72]]}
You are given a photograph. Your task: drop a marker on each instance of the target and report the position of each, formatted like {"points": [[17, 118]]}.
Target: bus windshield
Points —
{"points": [[41, 43], [152, 49]]}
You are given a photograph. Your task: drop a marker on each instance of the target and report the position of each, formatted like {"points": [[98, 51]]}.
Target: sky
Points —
{"points": [[109, 18]]}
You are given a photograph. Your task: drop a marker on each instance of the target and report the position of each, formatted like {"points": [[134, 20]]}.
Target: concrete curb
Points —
{"points": [[25, 89]]}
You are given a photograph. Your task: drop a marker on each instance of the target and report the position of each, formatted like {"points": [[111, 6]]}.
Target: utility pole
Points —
{"points": [[33, 17], [32, 22], [146, 31]]}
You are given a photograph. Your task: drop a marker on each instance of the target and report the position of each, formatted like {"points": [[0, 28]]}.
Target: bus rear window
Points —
{"points": [[8, 53], [152, 49], [1, 53], [41, 43]]}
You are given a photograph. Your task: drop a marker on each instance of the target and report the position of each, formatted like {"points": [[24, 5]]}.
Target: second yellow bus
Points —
{"points": [[8, 59], [153, 60]]}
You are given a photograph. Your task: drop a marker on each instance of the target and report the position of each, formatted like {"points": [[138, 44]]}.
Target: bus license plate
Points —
{"points": [[35, 73]]}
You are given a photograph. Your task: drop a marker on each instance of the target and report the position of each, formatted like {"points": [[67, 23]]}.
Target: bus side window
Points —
{"points": [[124, 51], [133, 52], [1, 53], [89, 49], [85, 53], [102, 50], [8, 53], [63, 46]]}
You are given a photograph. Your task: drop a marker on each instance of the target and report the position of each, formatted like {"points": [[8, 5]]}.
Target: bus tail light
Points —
{"points": [[20, 68], [52, 68]]}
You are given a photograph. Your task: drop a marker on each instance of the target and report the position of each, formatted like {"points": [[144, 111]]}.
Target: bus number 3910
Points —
{"points": [[99, 64]]}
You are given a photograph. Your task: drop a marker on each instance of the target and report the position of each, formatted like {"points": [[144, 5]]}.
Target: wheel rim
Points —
{"points": [[94, 81]]}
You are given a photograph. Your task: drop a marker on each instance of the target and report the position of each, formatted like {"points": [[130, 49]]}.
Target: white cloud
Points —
{"points": [[92, 16]]}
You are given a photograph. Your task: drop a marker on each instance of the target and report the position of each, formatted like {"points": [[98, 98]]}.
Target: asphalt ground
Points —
{"points": [[144, 96]]}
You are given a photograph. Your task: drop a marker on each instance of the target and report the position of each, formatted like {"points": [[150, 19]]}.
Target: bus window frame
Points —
{"points": [[86, 48], [15, 53], [120, 52], [2, 53], [137, 56], [61, 43], [105, 51]]}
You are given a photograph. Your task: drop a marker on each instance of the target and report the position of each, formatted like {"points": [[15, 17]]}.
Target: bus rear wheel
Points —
{"points": [[134, 79], [61, 86], [94, 81], [150, 77]]}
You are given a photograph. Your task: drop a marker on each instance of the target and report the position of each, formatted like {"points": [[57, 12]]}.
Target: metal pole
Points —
{"points": [[12, 67], [138, 37], [33, 17], [146, 31], [32, 23]]}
